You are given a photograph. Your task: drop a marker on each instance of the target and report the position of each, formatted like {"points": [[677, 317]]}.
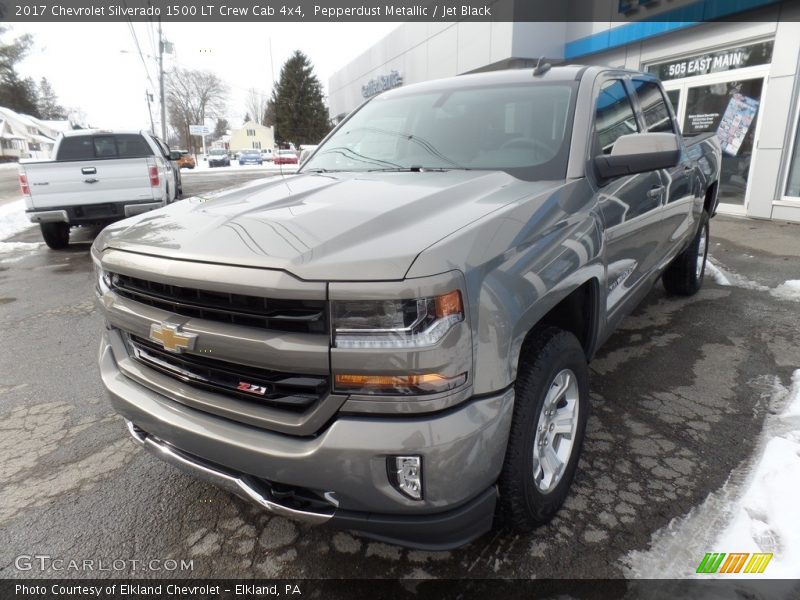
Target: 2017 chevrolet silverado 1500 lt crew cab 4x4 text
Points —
{"points": [[395, 340], [98, 177]]}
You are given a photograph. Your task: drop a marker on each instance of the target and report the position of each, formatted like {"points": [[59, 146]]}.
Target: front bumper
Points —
{"points": [[462, 449]]}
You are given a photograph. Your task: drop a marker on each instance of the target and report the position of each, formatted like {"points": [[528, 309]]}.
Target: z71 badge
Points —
{"points": [[252, 389]]}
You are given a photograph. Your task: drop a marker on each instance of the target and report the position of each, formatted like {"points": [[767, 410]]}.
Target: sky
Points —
{"points": [[95, 66]]}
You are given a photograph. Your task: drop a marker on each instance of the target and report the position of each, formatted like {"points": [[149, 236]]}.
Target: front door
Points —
{"points": [[629, 205]]}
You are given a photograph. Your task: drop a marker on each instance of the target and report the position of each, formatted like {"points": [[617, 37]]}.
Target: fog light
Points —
{"points": [[405, 473]]}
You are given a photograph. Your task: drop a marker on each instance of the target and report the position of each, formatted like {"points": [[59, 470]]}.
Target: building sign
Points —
{"points": [[199, 130], [379, 84], [714, 62]]}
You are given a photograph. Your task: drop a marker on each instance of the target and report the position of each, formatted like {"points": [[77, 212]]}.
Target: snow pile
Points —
{"points": [[728, 278], [6, 247], [717, 274], [755, 511], [788, 290], [13, 219]]}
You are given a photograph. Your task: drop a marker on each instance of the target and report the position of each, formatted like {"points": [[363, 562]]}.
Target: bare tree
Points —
{"points": [[256, 105], [192, 97]]}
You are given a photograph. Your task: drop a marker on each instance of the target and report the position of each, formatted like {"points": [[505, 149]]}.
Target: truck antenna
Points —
{"points": [[542, 67]]}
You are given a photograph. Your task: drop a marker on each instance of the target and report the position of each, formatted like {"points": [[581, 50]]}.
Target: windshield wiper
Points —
{"points": [[418, 169]]}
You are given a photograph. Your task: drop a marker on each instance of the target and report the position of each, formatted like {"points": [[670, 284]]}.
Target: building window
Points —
{"points": [[257, 145], [614, 116], [654, 108], [251, 132], [793, 185]]}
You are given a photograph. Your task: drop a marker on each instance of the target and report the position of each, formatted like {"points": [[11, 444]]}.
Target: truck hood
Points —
{"points": [[340, 226]]}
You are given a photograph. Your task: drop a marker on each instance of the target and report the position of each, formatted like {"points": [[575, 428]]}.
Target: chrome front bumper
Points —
{"points": [[236, 483]]}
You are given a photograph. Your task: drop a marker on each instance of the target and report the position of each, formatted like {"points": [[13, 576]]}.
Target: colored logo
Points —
{"points": [[171, 337], [742, 562]]}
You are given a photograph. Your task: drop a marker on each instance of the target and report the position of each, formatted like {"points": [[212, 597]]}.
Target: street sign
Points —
{"points": [[199, 129]]}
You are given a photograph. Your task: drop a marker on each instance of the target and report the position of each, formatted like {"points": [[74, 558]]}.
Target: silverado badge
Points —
{"points": [[171, 337]]}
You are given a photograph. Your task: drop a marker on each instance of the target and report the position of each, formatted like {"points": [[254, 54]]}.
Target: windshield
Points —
{"points": [[519, 128], [218, 152]]}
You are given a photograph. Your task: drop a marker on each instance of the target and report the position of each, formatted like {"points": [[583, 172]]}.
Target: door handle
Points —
{"points": [[688, 169], [88, 170], [91, 180], [656, 192]]}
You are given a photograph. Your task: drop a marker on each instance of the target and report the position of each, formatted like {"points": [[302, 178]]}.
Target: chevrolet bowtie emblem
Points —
{"points": [[171, 337]]}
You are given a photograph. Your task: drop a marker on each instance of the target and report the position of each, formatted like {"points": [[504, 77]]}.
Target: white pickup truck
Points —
{"points": [[97, 177]]}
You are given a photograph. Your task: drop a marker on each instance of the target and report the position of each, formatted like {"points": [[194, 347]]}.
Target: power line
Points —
{"points": [[150, 31], [138, 48]]}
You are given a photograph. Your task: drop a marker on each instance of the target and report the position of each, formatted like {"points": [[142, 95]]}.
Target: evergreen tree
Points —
{"points": [[297, 105], [220, 129], [16, 93], [49, 108]]}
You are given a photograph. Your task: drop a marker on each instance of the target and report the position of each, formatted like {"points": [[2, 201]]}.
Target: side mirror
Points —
{"points": [[639, 153], [174, 155]]}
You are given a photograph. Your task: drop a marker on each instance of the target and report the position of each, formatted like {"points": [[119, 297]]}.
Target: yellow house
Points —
{"points": [[252, 135]]}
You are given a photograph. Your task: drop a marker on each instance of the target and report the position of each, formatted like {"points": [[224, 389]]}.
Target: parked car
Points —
{"points": [[250, 157], [98, 177], [285, 157], [218, 158], [397, 343], [267, 154], [185, 160]]}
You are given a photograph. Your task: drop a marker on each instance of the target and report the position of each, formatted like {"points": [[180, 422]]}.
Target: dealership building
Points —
{"points": [[732, 68]]}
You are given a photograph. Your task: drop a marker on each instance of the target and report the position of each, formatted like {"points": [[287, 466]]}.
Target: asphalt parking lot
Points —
{"points": [[678, 400]]}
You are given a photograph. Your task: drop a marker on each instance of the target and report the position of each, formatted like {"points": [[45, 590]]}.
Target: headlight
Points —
{"points": [[395, 323]]}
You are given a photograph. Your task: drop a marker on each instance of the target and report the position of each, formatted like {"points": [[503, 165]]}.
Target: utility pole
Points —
{"points": [[161, 83], [149, 97]]}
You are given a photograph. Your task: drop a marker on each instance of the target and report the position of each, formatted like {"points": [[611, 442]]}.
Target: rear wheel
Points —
{"points": [[56, 235], [684, 276], [550, 411]]}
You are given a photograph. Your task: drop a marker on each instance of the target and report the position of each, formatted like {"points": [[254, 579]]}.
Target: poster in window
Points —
{"points": [[736, 122]]}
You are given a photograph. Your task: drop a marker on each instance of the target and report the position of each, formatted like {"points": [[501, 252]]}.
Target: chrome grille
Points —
{"points": [[290, 391], [295, 316]]}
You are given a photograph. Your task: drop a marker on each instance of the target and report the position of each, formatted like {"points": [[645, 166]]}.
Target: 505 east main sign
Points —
{"points": [[714, 62]]}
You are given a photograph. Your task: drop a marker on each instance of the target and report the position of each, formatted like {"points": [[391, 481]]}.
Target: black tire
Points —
{"points": [[546, 354], [56, 235], [684, 276]]}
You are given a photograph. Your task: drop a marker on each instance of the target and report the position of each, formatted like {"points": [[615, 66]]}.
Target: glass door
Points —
{"points": [[728, 107], [730, 110]]}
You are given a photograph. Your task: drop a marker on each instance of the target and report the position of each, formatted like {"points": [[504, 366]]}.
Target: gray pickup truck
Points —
{"points": [[395, 340]]}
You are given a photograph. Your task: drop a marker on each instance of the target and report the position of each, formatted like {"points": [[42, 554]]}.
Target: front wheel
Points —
{"points": [[56, 235], [551, 407], [684, 275]]}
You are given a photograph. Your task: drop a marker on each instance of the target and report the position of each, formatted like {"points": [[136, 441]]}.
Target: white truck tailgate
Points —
{"points": [[55, 184]]}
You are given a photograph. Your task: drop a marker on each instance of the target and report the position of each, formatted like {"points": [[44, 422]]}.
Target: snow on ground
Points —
{"points": [[13, 219], [728, 278], [716, 273], [788, 290], [755, 511]]}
